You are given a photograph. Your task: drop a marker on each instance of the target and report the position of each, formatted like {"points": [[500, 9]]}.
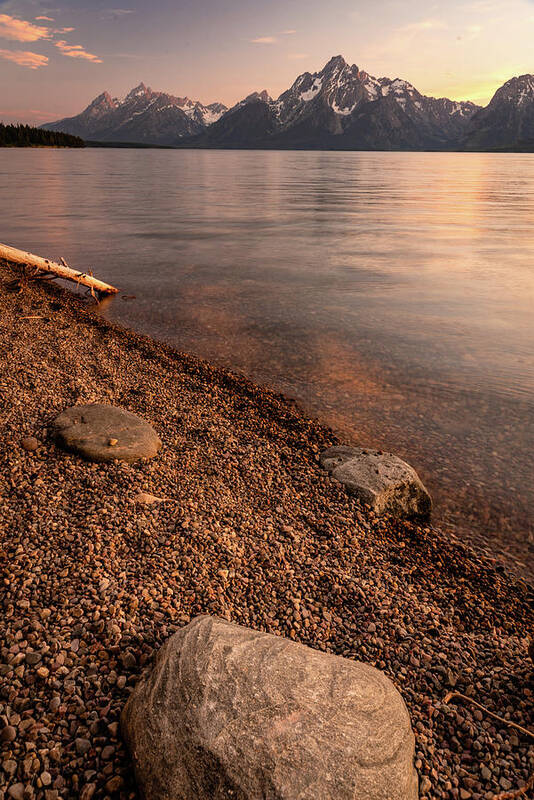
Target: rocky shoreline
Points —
{"points": [[247, 527]]}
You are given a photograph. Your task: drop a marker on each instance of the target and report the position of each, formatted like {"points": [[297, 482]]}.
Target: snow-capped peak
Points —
{"points": [[344, 89], [138, 91], [335, 63], [104, 101], [517, 90]]}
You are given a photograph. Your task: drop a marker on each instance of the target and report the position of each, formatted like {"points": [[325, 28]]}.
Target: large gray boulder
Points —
{"points": [[101, 432], [231, 712], [380, 480]]}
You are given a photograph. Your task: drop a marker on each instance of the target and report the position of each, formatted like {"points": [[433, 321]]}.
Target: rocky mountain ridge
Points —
{"points": [[507, 122], [143, 116], [339, 107]]}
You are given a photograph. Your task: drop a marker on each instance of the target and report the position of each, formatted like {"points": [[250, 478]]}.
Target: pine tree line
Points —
{"points": [[26, 136]]}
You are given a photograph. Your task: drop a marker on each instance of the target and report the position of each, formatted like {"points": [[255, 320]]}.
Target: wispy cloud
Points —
{"points": [[287, 33], [24, 58], [116, 13], [19, 30], [76, 51], [264, 40]]}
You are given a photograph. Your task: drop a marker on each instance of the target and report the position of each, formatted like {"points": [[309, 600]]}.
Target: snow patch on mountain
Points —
{"points": [[344, 112], [210, 116], [313, 92]]}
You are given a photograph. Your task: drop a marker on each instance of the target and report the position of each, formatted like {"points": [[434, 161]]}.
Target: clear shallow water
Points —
{"points": [[392, 293]]}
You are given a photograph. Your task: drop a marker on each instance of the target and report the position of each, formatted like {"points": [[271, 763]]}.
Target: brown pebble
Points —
{"points": [[88, 791], [82, 746], [128, 660], [30, 443], [46, 778], [112, 442], [54, 704], [9, 734], [114, 784]]}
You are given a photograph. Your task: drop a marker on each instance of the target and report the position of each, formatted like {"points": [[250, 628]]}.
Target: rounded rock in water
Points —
{"points": [[380, 480]]}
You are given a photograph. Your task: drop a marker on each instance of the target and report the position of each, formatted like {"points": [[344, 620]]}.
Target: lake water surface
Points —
{"points": [[391, 293]]}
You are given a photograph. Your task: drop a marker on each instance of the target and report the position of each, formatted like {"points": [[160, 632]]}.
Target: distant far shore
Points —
{"points": [[27, 136], [520, 148], [44, 146], [140, 146]]}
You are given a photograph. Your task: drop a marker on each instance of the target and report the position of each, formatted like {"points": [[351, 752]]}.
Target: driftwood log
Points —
{"points": [[57, 270]]}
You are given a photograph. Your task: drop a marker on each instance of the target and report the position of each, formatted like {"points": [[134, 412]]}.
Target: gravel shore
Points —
{"points": [[248, 527]]}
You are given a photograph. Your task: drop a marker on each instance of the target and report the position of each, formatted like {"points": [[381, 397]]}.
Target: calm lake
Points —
{"points": [[391, 293]]}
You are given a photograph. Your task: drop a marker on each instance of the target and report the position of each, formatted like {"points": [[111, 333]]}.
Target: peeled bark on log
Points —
{"points": [[59, 270]]}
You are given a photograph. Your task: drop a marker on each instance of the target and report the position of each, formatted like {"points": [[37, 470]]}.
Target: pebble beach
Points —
{"points": [[234, 517]]}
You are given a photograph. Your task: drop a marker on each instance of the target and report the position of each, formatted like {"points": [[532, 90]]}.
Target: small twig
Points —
{"points": [[32, 317], [530, 783], [450, 695]]}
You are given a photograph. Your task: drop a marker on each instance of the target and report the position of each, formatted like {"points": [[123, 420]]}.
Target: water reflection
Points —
{"points": [[392, 293]]}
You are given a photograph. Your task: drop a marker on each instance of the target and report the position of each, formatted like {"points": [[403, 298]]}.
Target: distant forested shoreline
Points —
{"points": [[26, 136]]}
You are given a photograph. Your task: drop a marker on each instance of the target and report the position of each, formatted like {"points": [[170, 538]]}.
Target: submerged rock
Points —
{"points": [[102, 433], [380, 480], [231, 712]]}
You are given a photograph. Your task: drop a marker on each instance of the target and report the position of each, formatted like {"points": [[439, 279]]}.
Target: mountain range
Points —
{"points": [[341, 107], [143, 116]]}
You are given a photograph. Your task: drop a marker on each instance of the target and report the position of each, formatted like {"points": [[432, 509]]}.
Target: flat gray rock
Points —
{"points": [[103, 433], [380, 480], [230, 712]]}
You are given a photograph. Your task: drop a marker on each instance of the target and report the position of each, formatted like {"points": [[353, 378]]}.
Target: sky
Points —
{"points": [[55, 56]]}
